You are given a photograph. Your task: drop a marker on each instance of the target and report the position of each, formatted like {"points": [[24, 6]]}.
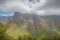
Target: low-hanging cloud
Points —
{"points": [[42, 7]]}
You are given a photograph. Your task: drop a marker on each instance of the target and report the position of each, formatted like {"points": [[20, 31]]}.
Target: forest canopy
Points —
{"points": [[13, 32]]}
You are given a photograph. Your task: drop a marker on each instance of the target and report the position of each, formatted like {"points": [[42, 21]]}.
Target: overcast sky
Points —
{"points": [[41, 7]]}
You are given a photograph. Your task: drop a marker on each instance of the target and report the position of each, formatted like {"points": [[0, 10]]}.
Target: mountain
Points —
{"points": [[4, 19], [33, 22], [37, 20], [54, 18]]}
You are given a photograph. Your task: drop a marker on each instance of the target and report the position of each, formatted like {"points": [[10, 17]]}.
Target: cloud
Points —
{"points": [[51, 11], [42, 7], [52, 4], [14, 6]]}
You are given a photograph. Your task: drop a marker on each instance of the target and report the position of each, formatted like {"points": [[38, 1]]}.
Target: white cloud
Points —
{"points": [[24, 6], [51, 11]]}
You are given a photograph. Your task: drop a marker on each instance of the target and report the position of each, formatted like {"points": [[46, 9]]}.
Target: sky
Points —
{"points": [[40, 7], [6, 13]]}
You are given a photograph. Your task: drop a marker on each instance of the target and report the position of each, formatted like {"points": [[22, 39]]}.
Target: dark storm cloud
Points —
{"points": [[53, 3], [2, 1], [50, 3]]}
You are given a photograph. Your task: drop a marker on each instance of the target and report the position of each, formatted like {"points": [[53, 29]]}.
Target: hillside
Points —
{"points": [[33, 22], [29, 26]]}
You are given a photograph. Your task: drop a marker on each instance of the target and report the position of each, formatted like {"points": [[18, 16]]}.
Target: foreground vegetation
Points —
{"points": [[13, 32]]}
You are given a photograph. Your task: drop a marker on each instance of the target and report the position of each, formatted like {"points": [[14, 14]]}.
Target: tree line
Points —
{"points": [[46, 35]]}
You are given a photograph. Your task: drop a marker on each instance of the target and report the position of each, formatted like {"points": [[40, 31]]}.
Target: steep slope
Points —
{"points": [[14, 31], [32, 22], [54, 18]]}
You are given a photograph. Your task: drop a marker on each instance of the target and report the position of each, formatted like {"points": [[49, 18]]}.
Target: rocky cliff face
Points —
{"points": [[32, 21], [54, 18]]}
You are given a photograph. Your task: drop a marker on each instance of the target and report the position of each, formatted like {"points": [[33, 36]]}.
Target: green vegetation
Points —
{"points": [[13, 32]]}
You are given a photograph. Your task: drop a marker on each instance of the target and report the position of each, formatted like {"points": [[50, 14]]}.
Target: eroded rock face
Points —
{"points": [[32, 21]]}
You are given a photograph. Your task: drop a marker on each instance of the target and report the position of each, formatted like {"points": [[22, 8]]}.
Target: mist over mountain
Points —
{"points": [[34, 22], [31, 19], [20, 18], [54, 18]]}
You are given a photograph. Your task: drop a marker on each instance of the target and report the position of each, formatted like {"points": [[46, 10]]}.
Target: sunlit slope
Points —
{"points": [[15, 31]]}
